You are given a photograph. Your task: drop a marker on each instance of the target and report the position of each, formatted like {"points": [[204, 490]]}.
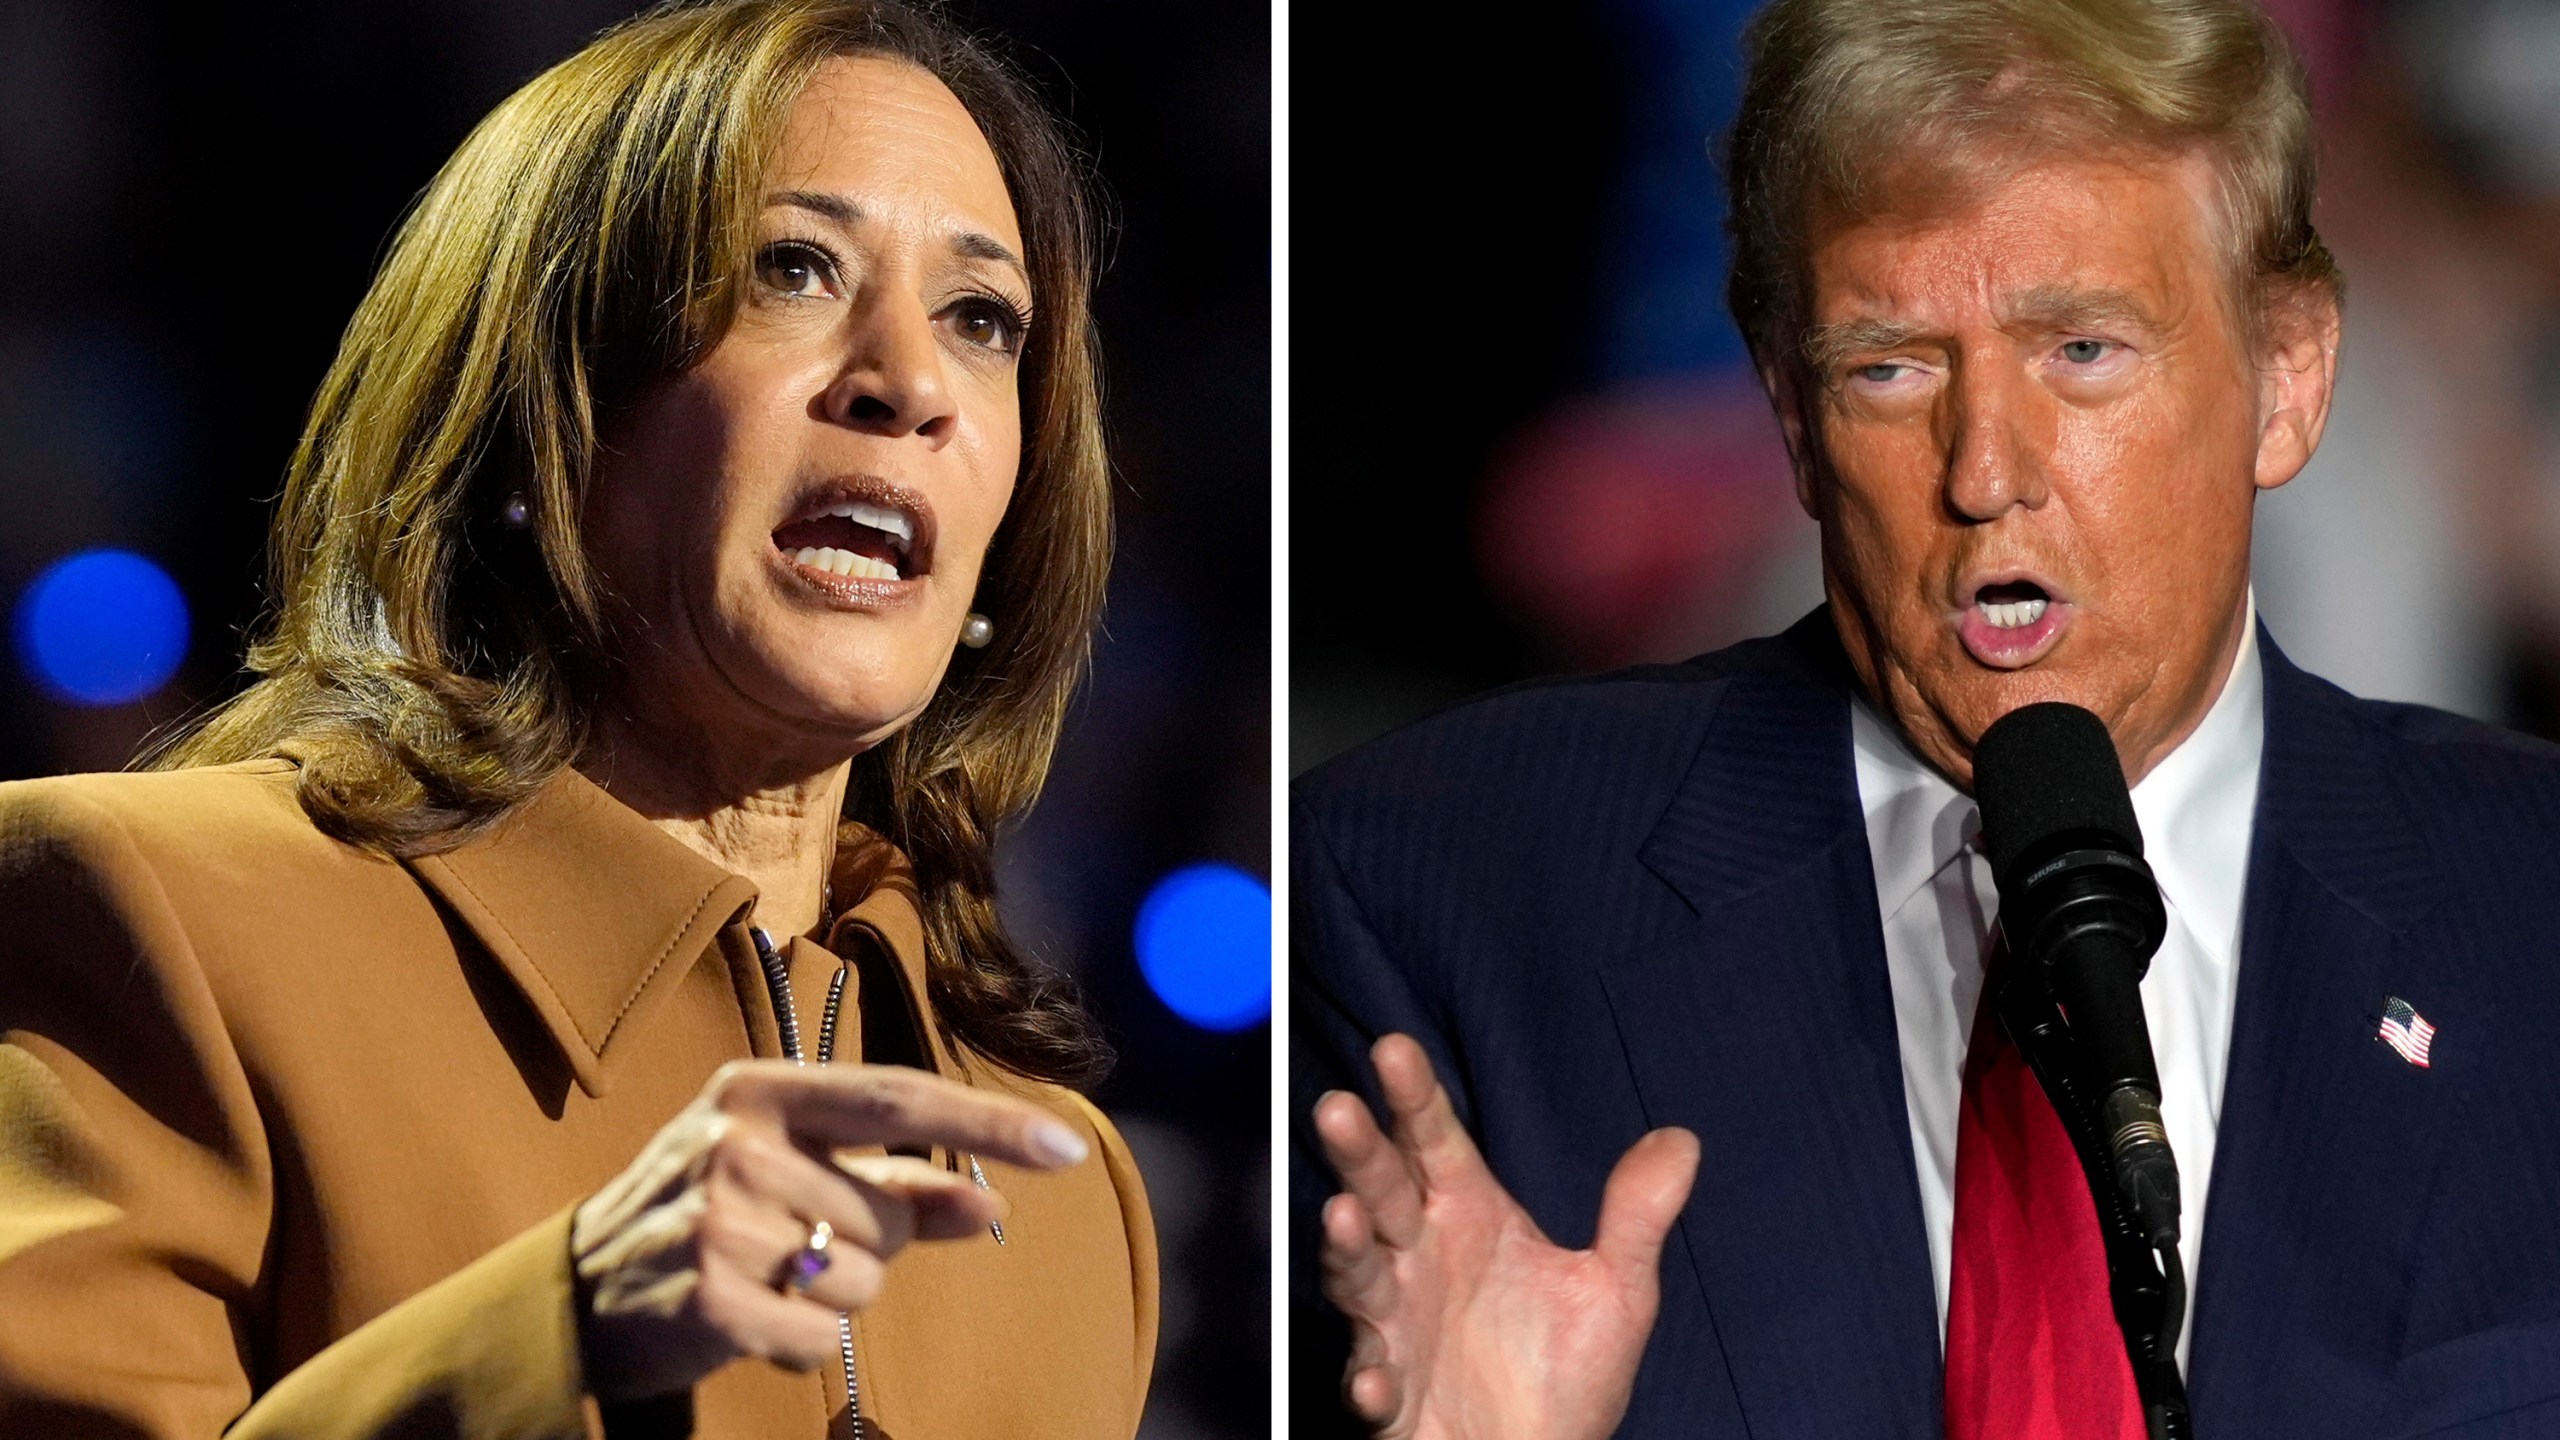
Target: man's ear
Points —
{"points": [[1787, 397], [2297, 374]]}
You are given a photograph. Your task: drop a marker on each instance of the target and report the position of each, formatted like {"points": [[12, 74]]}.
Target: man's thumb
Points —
{"points": [[1644, 1195]]}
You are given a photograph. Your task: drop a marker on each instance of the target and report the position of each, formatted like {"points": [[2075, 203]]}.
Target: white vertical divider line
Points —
{"points": [[1279, 1203]]}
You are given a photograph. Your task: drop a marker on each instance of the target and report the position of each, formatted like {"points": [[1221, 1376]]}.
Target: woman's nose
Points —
{"points": [[893, 381]]}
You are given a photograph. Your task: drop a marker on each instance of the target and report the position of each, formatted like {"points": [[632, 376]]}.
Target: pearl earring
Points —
{"points": [[976, 631], [515, 512]]}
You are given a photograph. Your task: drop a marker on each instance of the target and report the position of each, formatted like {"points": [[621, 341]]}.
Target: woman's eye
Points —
{"points": [[988, 323], [800, 271], [2084, 352]]}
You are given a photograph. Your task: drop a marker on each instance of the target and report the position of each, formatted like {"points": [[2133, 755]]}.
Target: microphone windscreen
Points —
{"points": [[2048, 773]]}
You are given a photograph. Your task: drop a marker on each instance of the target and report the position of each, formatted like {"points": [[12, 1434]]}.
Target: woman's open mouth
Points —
{"points": [[2011, 624], [841, 538]]}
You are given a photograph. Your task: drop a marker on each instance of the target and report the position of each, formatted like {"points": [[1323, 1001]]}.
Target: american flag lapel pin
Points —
{"points": [[2405, 1030]]}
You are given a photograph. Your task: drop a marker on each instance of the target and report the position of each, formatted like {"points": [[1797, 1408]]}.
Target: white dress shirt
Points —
{"points": [[1935, 892]]}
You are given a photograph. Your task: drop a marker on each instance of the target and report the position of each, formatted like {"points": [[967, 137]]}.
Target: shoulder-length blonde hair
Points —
{"points": [[588, 240]]}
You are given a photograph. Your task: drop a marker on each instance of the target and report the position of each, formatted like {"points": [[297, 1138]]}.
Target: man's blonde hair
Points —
{"points": [[1844, 95]]}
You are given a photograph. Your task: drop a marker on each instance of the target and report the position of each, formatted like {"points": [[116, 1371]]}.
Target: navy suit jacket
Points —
{"points": [[1645, 899]]}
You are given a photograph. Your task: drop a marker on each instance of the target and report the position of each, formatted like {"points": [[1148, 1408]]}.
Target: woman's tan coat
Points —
{"points": [[290, 1135]]}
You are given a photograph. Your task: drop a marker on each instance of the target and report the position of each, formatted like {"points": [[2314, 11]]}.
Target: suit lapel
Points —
{"points": [[2327, 1139], [1769, 1030]]}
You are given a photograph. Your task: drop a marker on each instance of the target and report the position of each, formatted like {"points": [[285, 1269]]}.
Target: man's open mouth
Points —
{"points": [[2012, 623], [2014, 605], [857, 539]]}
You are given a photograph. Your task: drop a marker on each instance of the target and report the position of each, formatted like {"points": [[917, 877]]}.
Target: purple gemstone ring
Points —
{"points": [[811, 1260]]}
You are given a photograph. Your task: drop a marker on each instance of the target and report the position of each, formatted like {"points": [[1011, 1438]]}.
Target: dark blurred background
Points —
{"points": [[193, 197], [1526, 440], [1535, 436]]}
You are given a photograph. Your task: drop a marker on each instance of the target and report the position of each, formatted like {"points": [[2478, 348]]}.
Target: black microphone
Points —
{"points": [[2083, 915]]}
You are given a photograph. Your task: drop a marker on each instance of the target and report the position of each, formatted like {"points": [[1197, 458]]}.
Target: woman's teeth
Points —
{"points": [[845, 562], [878, 517], [2014, 615]]}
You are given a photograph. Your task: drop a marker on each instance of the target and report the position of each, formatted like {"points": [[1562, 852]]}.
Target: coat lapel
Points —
{"points": [[1769, 1030], [2328, 1138], [594, 913]]}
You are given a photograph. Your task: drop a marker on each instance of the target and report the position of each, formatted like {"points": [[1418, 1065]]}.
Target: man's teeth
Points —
{"points": [[2016, 614], [878, 517], [845, 562]]}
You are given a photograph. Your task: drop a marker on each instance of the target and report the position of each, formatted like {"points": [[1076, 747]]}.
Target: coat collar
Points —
{"points": [[597, 916], [878, 931], [2327, 794], [1772, 787]]}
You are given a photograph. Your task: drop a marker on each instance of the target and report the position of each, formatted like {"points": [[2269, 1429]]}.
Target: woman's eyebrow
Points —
{"points": [[976, 246], [834, 207], [968, 244]]}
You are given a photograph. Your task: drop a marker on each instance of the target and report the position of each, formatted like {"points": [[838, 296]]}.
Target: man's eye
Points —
{"points": [[1880, 374], [796, 270], [2084, 352]]}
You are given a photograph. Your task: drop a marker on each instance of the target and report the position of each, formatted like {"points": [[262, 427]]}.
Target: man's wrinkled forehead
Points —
{"points": [[2116, 241]]}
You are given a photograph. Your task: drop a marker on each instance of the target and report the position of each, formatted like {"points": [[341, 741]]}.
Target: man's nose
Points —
{"points": [[893, 382], [1995, 462]]}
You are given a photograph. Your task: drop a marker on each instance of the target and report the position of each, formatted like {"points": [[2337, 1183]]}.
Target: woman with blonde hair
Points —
{"points": [[551, 998]]}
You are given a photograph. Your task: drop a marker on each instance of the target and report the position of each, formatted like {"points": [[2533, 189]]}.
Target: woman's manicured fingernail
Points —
{"points": [[1056, 1143]]}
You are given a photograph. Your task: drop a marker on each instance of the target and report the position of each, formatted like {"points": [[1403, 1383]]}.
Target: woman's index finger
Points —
{"points": [[855, 1105]]}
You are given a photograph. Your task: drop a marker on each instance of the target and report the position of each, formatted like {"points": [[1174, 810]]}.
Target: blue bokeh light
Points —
{"points": [[1204, 944], [102, 627]]}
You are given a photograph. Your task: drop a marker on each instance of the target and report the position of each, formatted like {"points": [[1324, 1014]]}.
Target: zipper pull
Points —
{"points": [[994, 1227]]}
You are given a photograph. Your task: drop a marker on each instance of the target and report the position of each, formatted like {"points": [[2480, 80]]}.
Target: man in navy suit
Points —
{"points": [[1668, 980]]}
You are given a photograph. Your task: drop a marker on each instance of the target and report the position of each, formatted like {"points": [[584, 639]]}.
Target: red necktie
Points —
{"points": [[2033, 1352]]}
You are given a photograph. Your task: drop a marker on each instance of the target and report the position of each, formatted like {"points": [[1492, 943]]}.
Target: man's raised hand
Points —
{"points": [[1467, 1322]]}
